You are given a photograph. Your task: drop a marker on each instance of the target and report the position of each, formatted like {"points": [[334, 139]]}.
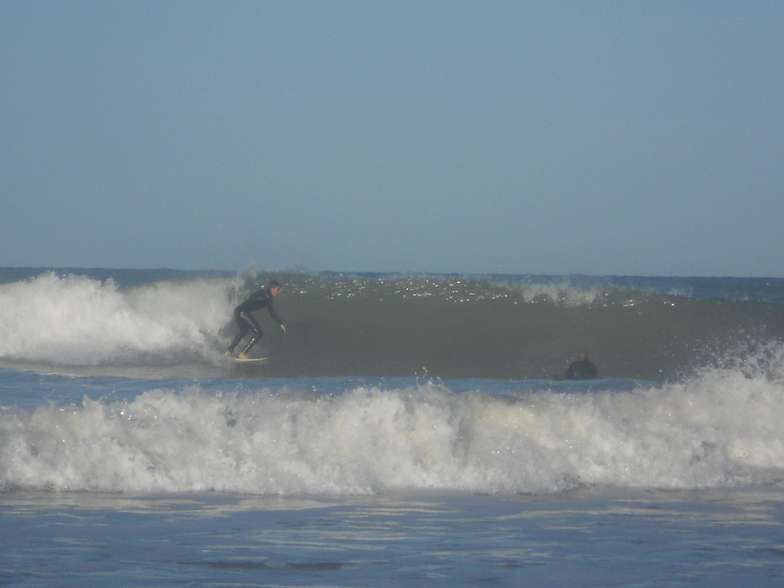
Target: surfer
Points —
{"points": [[242, 314], [582, 369]]}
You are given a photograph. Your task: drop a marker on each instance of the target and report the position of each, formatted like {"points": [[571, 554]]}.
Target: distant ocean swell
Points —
{"points": [[354, 325], [722, 429]]}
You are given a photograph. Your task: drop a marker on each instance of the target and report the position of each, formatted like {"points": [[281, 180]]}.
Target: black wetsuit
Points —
{"points": [[242, 314], [582, 370]]}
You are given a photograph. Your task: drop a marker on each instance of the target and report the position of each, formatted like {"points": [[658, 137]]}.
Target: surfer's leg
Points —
{"points": [[244, 325], [254, 326]]}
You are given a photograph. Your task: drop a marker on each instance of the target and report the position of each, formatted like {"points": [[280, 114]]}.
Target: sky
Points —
{"points": [[591, 137]]}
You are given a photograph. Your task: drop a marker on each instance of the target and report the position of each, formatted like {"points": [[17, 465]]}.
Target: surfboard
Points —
{"points": [[252, 360]]}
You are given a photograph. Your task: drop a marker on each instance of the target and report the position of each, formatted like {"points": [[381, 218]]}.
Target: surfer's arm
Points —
{"points": [[275, 316]]}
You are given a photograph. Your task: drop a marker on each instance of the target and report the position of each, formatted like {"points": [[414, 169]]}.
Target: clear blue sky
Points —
{"points": [[547, 137]]}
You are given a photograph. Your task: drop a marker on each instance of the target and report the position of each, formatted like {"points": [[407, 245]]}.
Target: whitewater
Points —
{"points": [[408, 430], [283, 439]]}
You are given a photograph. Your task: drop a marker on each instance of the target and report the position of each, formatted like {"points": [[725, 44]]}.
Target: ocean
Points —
{"points": [[406, 430]]}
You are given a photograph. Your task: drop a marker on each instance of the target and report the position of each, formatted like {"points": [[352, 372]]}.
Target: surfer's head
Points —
{"points": [[274, 288]]}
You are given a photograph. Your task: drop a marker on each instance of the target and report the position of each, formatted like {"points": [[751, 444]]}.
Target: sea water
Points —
{"points": [[408, 430]]}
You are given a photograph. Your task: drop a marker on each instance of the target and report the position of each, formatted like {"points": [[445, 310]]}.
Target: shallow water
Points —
{"points": [[590, 537]]}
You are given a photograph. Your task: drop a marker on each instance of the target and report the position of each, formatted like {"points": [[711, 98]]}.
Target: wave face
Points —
{"points": [[724, 428], [655, 329]]}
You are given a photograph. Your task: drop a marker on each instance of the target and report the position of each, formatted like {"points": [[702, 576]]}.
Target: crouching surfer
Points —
{"points": [[242, 314]]}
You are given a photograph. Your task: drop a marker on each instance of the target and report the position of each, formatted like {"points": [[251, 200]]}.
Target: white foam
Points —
{"points": [[76, 320], [720, 429], [562, 294]]}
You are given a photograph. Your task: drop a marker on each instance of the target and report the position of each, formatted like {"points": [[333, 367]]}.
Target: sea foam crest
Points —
{"points": [[720, 429], [562, 294], [81, 321]]}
